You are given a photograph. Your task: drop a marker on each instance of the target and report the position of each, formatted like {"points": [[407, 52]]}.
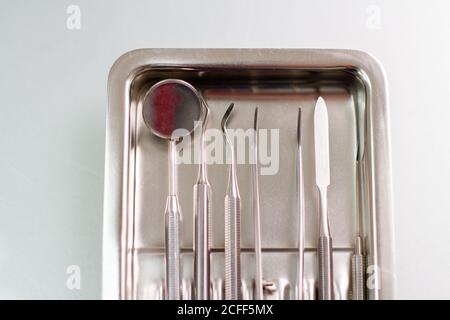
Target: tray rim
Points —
{"points": [[127, 66]]}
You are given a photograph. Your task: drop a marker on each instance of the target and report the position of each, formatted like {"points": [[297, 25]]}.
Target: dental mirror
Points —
{"points": [[172, 109]]}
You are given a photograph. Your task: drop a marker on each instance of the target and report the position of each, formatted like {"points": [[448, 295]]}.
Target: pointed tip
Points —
{"points": [[229, 109], [320, 102], [299, 126], [226, 116], [320, 109], [358, 155]]}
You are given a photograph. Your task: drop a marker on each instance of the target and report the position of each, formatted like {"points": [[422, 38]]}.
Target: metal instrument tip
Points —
{"points": [[226, 116], [299, 126]]}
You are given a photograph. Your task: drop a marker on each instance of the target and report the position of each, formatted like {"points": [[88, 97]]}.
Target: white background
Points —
{"points": [[53, 105]]}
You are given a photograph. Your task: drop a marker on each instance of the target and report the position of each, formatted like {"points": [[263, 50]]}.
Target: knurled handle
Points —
{"points": [[172, 218], [232, 248], [357, 277], [325, 268]]}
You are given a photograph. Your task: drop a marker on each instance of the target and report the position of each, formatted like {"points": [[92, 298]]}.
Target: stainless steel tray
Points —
{"points": [[278, 82]]}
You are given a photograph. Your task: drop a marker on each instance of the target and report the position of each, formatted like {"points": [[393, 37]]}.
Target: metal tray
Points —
{"points": [[278, 82]]}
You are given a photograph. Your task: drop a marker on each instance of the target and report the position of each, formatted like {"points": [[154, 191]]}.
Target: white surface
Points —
{"points": [[53, 105]]}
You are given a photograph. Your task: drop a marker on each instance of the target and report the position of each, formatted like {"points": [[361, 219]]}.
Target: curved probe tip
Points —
{"points": [[226, 116]]}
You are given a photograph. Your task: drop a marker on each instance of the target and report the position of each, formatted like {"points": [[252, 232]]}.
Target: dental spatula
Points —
{"points": [[322, 161]]}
